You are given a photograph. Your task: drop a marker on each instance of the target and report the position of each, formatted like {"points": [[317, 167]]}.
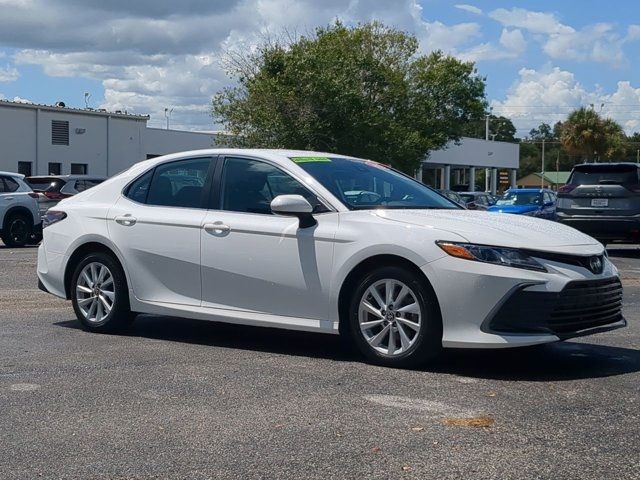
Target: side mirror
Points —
{"points": [[548, 204], [294, 206]]}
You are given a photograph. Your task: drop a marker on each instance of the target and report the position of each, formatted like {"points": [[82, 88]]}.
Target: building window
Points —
{"points": [[24, 168], [78, 169], [55, 168], [59, 132]]}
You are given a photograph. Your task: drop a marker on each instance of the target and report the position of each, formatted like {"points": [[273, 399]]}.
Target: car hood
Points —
{"points": [[513, 208], [512, 231]]}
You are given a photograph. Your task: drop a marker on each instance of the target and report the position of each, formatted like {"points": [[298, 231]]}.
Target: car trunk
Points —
{"points": [[606, 190]]}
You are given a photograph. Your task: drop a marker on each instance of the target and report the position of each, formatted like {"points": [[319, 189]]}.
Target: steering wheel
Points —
{"points": [[374, 196]]}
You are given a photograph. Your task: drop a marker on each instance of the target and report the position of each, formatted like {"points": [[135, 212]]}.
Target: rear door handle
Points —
{"points": [[8, 198], [126, 220], [216, 227]]}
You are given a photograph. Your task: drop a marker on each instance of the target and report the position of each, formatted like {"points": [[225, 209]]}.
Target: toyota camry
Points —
{"points": [[326, 243]]}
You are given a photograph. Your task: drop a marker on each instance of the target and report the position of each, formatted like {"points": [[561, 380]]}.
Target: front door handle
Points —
{"points": [[126, 220], [217, 227], [8, 198]]}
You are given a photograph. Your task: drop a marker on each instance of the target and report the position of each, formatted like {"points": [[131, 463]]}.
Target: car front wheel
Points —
{"points": [[394, 318], [99, 294]]}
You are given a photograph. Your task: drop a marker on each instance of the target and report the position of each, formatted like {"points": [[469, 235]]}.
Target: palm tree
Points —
{"points": [[587, 134], [582, 133]]}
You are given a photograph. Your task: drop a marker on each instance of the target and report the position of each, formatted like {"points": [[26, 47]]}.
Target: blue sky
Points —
{"points": [[541, 58]]}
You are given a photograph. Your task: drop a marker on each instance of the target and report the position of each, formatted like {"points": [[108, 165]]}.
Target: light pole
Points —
{"points": [[542, 176], [167, 115]]}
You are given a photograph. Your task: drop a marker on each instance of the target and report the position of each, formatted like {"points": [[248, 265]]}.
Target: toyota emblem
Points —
{"points": [[595, 264]]}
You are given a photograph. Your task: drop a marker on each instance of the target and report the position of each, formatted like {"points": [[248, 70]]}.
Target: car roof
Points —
{"points": [[276, 155], [67, 177], [12, 174], [607, 164], [529, 190]]}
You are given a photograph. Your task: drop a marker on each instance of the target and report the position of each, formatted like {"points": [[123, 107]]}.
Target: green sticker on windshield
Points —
{"points": [[310, 159]]}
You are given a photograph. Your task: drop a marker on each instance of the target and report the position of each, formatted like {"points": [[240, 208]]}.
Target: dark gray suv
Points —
{"points": [[602, 200]]}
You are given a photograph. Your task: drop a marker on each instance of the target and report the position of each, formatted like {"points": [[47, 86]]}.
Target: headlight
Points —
{"points": [[509, 257], [51, 217]]}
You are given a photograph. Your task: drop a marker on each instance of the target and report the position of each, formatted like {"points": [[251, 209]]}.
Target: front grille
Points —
{"points": [[586, 304], [581, 305], [577, 260]]}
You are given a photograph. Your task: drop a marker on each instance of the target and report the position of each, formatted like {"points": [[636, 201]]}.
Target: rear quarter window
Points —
{"points": [[8, 185]]}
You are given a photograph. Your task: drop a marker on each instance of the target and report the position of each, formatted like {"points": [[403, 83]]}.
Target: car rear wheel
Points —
{"points": [[99, 294], [16, 231], [394, 318]]}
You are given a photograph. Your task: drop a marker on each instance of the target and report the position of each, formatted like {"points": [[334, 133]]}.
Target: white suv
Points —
{"points": [[20, 221]]}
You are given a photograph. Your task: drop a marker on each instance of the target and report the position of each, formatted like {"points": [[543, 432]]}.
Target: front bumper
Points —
{"points": [[624, 228], [471, 294], [582, 307]]}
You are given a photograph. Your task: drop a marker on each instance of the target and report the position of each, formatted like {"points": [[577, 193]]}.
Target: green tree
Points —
{"points": [[586, 134], [363, 91]]}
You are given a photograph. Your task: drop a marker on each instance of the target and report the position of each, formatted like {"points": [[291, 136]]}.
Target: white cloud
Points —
{"points": [[633, 33], [534, 22], [513, 40], [150, 55], [511, 45], [469, 8], [9, 74], [549, 95], [599, 42]]}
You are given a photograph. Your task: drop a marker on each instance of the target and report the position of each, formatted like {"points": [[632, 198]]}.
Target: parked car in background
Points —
{"points": [[534, 202], [53, 188], [603, 200], [321, 242], [20, 222], [477, 200], [454, 197]]}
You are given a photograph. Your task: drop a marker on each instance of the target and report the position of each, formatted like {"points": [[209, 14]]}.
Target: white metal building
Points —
{"points": [[462, 160], [43, 139]]}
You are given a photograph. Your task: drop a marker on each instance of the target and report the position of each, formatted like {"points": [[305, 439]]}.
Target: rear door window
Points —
{"points": [[179, 184]]}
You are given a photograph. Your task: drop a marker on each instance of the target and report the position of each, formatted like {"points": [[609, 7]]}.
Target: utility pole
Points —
{"points": [[486, 137], [542, 176]]}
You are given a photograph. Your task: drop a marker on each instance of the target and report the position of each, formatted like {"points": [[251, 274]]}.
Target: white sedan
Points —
{"points": [[321, 242]]}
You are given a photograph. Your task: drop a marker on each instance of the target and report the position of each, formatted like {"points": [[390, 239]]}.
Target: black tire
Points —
{"points": [[428, 341], [120, 316], [17, 230]]}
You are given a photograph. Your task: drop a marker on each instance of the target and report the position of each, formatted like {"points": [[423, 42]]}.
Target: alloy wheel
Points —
{"points": [[95, 292], [390, 317]]}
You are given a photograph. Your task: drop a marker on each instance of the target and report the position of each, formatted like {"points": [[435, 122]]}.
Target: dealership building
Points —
{"points": [[459, 162], [45, 139]]}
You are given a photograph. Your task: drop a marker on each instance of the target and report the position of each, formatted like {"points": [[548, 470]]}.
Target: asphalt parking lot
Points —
{"points": [[184, 399]]}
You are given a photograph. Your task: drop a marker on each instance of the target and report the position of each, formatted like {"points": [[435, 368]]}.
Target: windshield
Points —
{"points": [[364, 185], [603, 175], [520, 198]]}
